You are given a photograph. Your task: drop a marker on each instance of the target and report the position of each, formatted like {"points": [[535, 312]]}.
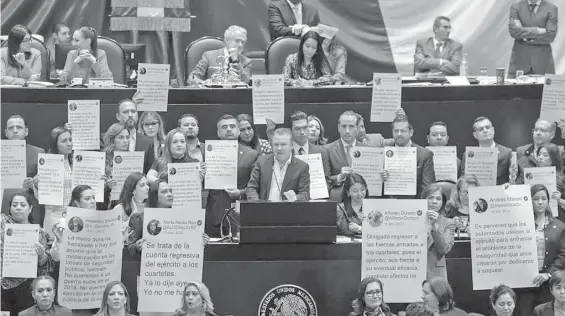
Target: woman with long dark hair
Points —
{"points": [[370, 299], [19, 61], [350, 211], [316, 131], [133, 196], [87, 61], [309, 67], [248, 135], [502, 300], [83, 196]]}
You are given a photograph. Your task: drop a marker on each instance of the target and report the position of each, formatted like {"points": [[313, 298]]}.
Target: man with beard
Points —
{"points": [[188, 123], [437, 136], [127, 115], [402, 132], [221, 200]]}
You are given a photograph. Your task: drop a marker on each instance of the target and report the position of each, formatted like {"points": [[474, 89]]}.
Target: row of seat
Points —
{"points": [[270, 62]]}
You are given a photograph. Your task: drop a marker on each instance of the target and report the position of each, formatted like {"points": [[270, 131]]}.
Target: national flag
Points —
{"points": [[150, 15]]}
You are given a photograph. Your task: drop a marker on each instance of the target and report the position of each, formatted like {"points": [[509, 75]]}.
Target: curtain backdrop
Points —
{"points": [[380, 35]]}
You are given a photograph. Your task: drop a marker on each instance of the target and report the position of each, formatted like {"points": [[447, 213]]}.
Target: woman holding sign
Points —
{"points": [[369, 299], [16, 291], [457, 207], [550, 237], [350, 212], [196, 301], [151, 124], [175, 151], [441, 230], [115, 300]]}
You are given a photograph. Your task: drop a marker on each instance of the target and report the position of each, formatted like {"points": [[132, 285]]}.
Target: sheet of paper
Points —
{"points": [[14, 166], [184, 180], [327, 31], [318, 185], [503, 237], [395, 246], [221, 164], [20, 258], [124, 164], [91, 256], [84, 117], [174, 254], [546, 176], [553, 98], [88, 169], [153, 86], [268, 98], [458, 80], [387, 96], [51, 171], [400, 162], [483, 163], [445, 162], [368, 162]]}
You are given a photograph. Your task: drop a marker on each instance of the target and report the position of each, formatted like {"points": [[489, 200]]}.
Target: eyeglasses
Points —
{"points": [[374, 293], [27, 40]]}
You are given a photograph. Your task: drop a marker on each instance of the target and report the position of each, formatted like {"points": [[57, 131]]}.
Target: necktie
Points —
{"points": [[348, 154], [297, 14], [301, 151], [533, 7], [438, 50]]}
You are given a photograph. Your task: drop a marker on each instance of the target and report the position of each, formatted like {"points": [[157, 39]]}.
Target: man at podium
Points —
{"points": [[279, 176]]}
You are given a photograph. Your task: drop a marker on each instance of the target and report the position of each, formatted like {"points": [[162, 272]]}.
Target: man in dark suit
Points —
{"points": [[483, 131], [439, 54], [300, 146], [235, 38], [16, 129], [402, 132], [438, 136], [533, 25], [291, 18], [279, 176], [127, 115], [543, 133], [221, 200]]}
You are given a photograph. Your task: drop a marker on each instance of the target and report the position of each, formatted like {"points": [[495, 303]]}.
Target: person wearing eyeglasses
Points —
{"points": [[19, 61], [369, 300], [527, 155], [483, 131], [87, 61], [151, 124]]}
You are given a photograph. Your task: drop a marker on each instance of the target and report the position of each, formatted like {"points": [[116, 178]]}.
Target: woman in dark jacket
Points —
{"points": [[350, 212]]}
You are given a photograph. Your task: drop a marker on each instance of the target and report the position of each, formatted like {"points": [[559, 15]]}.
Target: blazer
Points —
{"points": [[503, 166], [425, 61], [85, 69], [532, 52], [545, 309], [219, 200], [425, 173], [57, 310], [203, 71], [14, 75], [440, 242], [31, 159], [281, 17], [554, 247], [344, 218], [297, 178]]}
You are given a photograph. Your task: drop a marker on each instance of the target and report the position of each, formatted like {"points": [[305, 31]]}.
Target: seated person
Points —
{"points": [[43, 292], [279, 176], [369, 299], [235, 38], [309, 67], [87, 61], [61, 35], [336, 55], [350, 214], [19, 61], [291, 18], [438, 54], [556, 306]]}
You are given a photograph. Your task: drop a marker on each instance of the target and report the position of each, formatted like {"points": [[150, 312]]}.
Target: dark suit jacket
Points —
{"points": [[425, 173], [554, 246], [532, 52], [545, 309], [281, 17], [219, 200], [31, 159], [425, 61], [525, 157], [203, 71], [502, 169], [297, 178], [34, 310]]}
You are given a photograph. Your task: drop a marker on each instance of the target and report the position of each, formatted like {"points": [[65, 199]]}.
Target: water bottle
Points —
{"points": [[464, 67]]}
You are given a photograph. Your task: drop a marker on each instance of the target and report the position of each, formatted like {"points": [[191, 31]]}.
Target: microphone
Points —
{"points": [[227, 238]]}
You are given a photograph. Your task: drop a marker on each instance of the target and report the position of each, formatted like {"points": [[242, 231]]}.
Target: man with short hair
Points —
{"points": [[127, 115], [301, 146], [483, 131], [280, 176], [221, 200], [374, 139], [188, 123], [527, 155], [437, 136], [16, 129], [235, 38], [439, 54], [291, 18], [402, 132]]}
